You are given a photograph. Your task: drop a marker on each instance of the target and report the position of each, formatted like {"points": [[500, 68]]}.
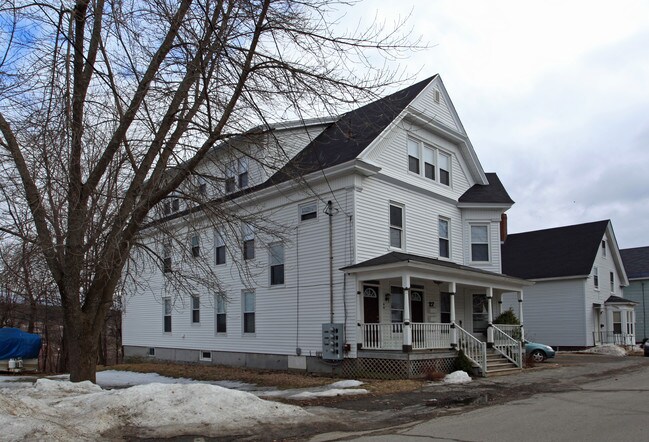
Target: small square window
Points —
{"points": [[206, 356], [308, 211], [151, 351]]}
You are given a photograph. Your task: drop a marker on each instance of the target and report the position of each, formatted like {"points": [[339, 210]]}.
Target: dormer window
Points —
{"points": [[432, 159]]}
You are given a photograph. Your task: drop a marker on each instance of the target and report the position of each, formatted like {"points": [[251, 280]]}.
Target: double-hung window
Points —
{"points": [[219, 248], [220, 313], [429, 163], [196, 309], [308, 211], [243, 172], [479, 243], [196, 245], [444, 238], [248, 299], [596, 277], [612, 282], [413, 156], [396, 226], [166, 257], [166, 315], [201, 185], [248, 238], [230, 172], [444, 168], [276, 260], [396, 304]]}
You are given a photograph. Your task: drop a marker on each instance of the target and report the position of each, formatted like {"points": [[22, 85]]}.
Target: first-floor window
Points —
{"points": [[617, 323], [196, 309], [248, 311], [276, 259], [397, 304], [444, 242], [629, 322], [167, 315], [396, 226], [221, 322], [445, 307], [479, 243]]}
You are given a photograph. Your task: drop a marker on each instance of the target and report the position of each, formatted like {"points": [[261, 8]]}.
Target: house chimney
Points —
{"points": [[503, 227]]}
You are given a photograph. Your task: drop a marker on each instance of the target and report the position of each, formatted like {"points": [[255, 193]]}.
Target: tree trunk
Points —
{"points": [[81, 344]]}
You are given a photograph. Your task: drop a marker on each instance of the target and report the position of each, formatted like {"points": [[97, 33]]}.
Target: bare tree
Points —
{"points": [[108, 106]]}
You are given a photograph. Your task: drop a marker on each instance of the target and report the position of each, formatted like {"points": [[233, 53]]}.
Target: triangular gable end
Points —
{"points": [[614, 251], [421, 110]]}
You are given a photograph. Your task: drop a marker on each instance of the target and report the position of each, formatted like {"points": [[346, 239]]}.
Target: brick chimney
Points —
{"points": [[503, 227]]}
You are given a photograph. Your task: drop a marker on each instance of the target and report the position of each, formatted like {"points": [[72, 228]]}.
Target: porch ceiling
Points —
{"points": [[395, 264]]}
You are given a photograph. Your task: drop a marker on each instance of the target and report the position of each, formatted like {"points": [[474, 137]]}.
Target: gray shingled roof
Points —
{"points": [[618, 300], [636, 262], [553, 253], [494, 192]]}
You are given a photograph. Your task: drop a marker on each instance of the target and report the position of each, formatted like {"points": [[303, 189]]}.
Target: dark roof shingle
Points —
{"points": [[494, 192], [553, 253], [636, 262]]}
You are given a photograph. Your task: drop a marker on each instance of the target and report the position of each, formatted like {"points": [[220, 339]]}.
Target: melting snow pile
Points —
{"points": [[457, 377], [340, 388], [607, 349], [77, 411]]}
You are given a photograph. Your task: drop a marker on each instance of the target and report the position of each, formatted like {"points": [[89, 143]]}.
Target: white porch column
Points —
{"points": [[407, 329], [520, 314], [490, 317], [360, 313], [499, 301], [452, 289]]}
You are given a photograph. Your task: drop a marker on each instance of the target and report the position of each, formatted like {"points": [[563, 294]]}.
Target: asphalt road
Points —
{"points": [[615, 407]]}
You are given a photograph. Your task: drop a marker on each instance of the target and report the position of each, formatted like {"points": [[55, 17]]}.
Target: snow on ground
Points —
{"points": [[61, 410], [157, 406], [457, 377], [606, 349]]}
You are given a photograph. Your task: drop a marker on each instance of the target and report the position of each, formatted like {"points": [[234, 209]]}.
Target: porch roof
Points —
{"points": [[440, 267], [618, 300]]}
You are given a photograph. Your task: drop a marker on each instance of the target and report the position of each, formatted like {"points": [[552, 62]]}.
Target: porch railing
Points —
{"points": [[604, 337], [509, 347], [426, 336], [473, 348], [513, 331], [382, 336]]}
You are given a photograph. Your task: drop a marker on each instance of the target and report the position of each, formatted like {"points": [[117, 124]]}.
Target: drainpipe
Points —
{"points": [[331, 262], [644, 312]]}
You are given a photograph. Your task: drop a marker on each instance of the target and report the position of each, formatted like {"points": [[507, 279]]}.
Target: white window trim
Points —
{"points": [[191, 245], [201, 355], [488, 226], [304, 205], [437, 151], [270, 265], [164, 315], [219, 241], [596, 275], [611, 278], [192, 309], [244, 311], [217, 313], [448, 230], [604, 247], [403, 226]]}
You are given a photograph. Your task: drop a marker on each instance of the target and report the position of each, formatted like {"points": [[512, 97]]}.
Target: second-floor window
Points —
{"points": [[596, 277], [171, 206], [248, 238], [219, 248], [243, 173], [479, 243], [166, 257], [612, 282], [396, 226], [196, 245], [444, 239], [308, 211], [276, 259]]}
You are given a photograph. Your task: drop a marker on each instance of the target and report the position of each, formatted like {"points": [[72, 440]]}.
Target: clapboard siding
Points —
{"points": [[437, 109], [491, 218], [638, 291]]}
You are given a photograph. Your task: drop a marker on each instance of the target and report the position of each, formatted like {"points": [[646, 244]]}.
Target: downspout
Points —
{"points": [[644, 312], [331, 262]]}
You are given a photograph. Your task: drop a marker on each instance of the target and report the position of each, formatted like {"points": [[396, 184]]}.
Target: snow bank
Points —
{"points": [[119, 378], [346, 384], [328, 393], [52, 410], [457, 377], [607, 349]]}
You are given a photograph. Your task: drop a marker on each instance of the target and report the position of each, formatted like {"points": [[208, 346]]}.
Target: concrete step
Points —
{"points": [[502, 371]]}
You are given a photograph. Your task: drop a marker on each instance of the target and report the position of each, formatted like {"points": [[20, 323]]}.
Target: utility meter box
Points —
{"points": [[333, 340]]}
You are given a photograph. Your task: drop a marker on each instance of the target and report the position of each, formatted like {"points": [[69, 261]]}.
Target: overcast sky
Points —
{"points": [[554, 96]]}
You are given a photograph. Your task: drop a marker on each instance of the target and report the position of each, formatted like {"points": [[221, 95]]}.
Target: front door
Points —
{"points": [[371, 304], [417, 306]]}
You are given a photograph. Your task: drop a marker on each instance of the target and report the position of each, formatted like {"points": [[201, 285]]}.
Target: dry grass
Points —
{"points": [[264, 378]]}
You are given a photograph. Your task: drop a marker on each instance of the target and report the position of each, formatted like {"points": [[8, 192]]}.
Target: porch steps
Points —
{"points": [[498, 365]]}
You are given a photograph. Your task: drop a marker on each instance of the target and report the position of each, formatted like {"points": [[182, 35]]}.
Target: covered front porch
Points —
{"points": [[408, 303]]}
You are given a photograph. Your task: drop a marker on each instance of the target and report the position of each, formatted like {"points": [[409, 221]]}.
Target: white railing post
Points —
{"points": [[490, 317], [451, 289], [520, 314]]}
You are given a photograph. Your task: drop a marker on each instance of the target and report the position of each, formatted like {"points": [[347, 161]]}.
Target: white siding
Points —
{"points": [[438, 110], [490, 218], [553, 312]]}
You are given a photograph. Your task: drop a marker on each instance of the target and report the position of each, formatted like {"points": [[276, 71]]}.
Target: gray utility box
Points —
{"points": [[333, 340]]}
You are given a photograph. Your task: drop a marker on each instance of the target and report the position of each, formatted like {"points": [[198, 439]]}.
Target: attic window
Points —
{"points": [[436, 95], [603, 249]]}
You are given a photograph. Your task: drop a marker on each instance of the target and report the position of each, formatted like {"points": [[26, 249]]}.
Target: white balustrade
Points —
{"points": [[473, 348], [508, 346]]}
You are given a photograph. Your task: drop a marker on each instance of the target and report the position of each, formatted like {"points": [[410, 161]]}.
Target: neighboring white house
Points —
{"points": [[576, 300], [391, 232]]}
